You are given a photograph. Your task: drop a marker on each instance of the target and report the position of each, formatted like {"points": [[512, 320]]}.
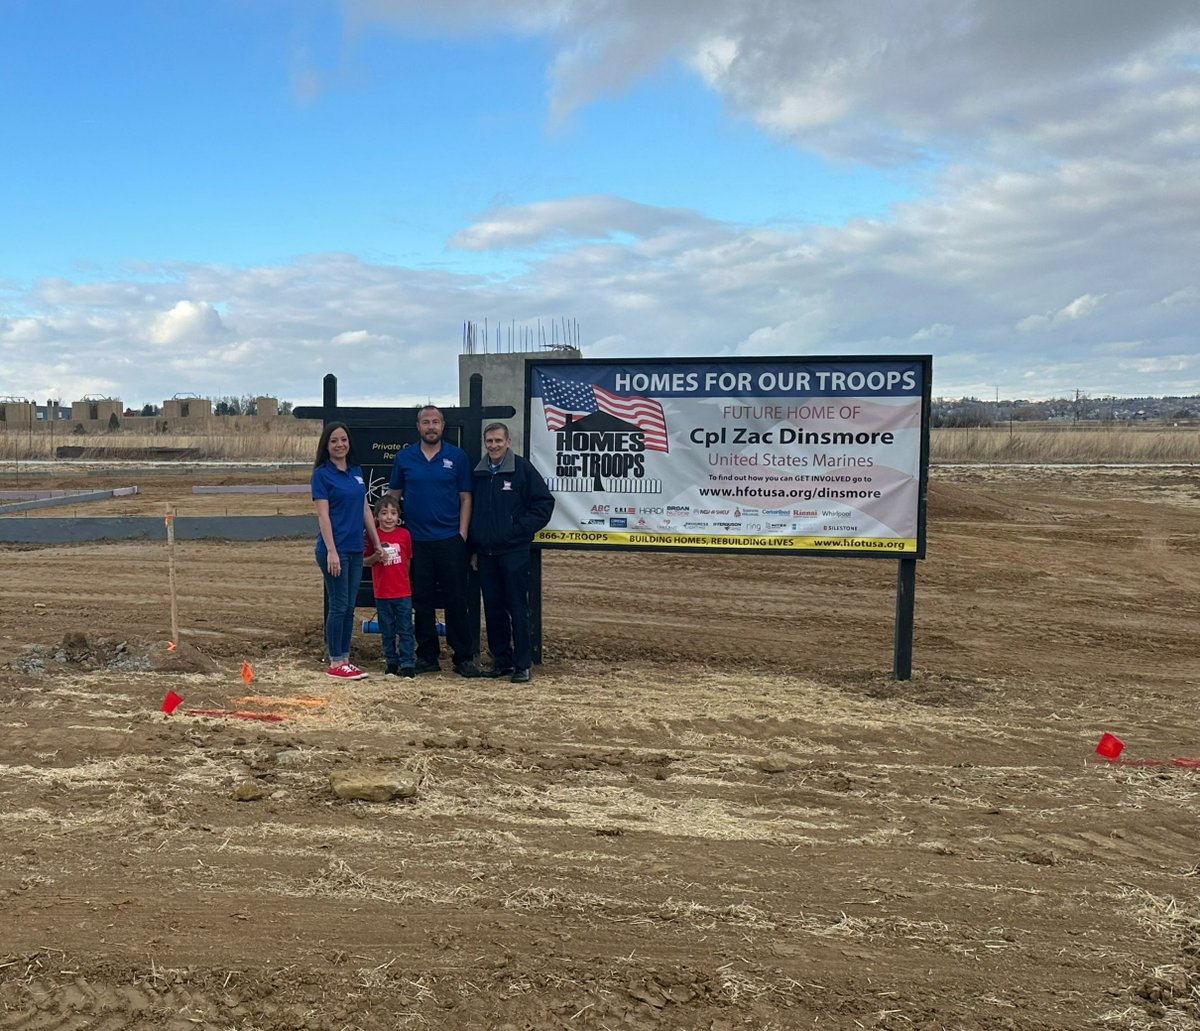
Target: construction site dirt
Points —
{"points": [[712, 807]]}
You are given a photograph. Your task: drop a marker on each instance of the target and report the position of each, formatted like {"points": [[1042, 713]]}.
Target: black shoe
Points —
{"points": [[408, 671], [467, 669], [423, 666], [393, 670], [521, 676], [499, 671]]}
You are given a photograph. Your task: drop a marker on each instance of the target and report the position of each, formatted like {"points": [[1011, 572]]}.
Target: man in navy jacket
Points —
{"points": [[510, 503]]}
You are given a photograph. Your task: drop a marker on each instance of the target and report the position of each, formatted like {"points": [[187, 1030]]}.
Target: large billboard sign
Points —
{"points": [[791, 455]]}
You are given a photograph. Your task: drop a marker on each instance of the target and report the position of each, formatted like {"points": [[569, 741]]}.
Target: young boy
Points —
{"points": [[393, 592]]}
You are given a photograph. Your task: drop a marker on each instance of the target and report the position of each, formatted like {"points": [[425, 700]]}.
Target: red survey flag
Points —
{"points": [[247, 672], [171, 702], [170, 646], [1110, 746]]}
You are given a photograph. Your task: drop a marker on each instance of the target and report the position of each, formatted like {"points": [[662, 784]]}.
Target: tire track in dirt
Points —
{"points": [[77, 1004]]}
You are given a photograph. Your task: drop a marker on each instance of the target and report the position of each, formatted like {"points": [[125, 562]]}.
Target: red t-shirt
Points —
{"points": [[390, 579]]}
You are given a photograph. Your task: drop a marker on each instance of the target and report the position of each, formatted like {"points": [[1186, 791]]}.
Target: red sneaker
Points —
{"points": [[346, 671]]}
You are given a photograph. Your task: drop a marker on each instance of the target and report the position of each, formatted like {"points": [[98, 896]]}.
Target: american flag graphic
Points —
{"points": [[561, 398]]}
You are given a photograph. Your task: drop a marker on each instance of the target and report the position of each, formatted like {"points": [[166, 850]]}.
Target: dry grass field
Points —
{"points": [[1088, 443], [712, 808], [294, 440], [279, 440]]}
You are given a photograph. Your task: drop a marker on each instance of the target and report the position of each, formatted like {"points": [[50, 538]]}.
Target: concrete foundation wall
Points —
{"points": [[504, 383], [59, 499]]}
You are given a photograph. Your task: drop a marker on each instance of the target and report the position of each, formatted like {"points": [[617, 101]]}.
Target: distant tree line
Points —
{"points": [[232, 404], [227, 404], [968, 411], [1081, 407]]}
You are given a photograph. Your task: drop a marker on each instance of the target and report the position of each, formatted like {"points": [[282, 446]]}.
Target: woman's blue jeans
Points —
{"points": [[341, 591]]}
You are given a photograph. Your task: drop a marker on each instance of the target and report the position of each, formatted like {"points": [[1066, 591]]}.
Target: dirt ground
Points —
{"points": [[712, 808]]}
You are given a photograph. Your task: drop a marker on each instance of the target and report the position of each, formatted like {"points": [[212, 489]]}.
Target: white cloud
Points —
{"points": [[938, 331], [1033, 323], [1186, 295], [965, 274], [570, 218], [872, 79], [25, 331], [1079, 308], [1167, 363], [186, 322]]}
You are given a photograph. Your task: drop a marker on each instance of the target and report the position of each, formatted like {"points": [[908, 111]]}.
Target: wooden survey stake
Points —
{"points": [[170, 521]]}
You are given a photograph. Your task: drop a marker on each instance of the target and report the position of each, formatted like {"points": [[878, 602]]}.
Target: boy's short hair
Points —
{"points": [[386, 501]]}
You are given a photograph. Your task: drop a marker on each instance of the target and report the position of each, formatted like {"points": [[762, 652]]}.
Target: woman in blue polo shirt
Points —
{"points": [[340, 494]]}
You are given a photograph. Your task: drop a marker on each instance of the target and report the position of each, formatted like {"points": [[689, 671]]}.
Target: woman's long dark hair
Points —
{"points": [[323, 444]]}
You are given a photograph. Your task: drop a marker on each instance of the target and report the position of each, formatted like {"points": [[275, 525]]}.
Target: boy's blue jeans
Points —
{"points": [[340, 594], [396, 629]]}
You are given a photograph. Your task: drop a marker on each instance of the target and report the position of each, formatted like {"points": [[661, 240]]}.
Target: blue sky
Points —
{"points": [[238, 195], [215, 149]]}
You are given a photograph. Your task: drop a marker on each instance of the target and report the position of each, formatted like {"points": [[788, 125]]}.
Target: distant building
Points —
{"points": [[187, 407], [52, 411], [16, 412], [97, 412]]}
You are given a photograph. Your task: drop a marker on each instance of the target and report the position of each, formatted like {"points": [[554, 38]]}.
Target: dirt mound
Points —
{"points": [[924, 688], [77, 652]]}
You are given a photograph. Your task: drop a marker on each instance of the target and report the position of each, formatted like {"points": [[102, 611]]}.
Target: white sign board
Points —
{"points": [[783, 454]]}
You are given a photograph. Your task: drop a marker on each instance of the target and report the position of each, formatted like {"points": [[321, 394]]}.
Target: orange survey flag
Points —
{"points": [[247, 672]]}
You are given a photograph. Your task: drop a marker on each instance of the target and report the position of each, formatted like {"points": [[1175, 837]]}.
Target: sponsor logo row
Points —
{"points": [[670, 526], [685, 510]]}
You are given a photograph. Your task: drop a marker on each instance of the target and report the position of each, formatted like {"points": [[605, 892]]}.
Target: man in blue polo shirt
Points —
{"points": [[434, 480]]}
